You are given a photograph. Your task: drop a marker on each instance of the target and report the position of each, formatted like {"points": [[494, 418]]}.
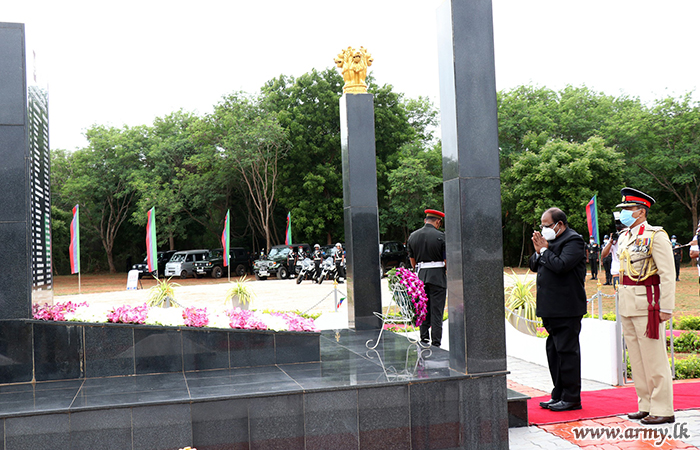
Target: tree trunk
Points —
{"points": [[171, 237]]}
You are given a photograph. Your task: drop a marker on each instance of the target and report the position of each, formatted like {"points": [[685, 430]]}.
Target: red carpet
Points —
{"points": [[610, 402]]}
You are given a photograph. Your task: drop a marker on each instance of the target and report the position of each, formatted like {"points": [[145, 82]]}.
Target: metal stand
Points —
{"points": [[404, 304]]}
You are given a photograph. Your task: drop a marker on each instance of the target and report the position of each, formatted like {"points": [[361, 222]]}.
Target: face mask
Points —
{"points": [[549, 233], [626, 218], [673, 241]]}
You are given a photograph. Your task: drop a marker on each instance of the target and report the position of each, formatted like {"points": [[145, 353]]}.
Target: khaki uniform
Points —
{"points": [[646, 250]]}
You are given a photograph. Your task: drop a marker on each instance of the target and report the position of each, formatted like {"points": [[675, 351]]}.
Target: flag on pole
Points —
{"points": [[74, 248], [288, 234], [151, 243], [592, 218], [225, 238]]}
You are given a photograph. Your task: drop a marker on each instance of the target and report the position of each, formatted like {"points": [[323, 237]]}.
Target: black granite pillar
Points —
{"points": [[472, 192], [15, 235], [361, 212]]}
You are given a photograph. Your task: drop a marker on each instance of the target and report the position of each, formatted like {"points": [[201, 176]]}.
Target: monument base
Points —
{"points": [[354, 398]]}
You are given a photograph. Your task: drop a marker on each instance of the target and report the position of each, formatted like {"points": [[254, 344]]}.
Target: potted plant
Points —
{"points": [[241, 294], [521, 305], [163, 294]]}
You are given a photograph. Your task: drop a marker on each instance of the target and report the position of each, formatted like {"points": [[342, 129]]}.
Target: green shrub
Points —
{"points": [[687, 323], [688, 368], [687, 342], [607, 316]]}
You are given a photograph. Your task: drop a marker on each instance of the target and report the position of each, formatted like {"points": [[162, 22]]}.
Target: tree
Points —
{"points": [[100, 178], [251, 141], [415, 185], [159, 180], [664, 143], [566, 175]]}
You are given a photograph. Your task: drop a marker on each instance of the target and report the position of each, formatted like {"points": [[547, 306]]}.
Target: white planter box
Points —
{"points": [[599, 349]]}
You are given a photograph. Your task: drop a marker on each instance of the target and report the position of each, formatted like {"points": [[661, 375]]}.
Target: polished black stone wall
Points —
{"points": [[361, 211], [471, 176], [351, 399], [46, 351], [15, 233]]}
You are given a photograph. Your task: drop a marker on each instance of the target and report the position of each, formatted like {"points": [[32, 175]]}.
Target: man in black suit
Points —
{"points": [[560, 263]]}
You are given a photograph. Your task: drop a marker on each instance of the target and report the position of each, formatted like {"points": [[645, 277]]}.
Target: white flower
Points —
{"points": [[219, 320], [171, 317], [90, 314], [276, 323]]}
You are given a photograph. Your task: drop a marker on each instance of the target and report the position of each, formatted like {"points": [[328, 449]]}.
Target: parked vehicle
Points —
{"points": [[162, 260], [213, 263], [305, 270], [328, 270], [275, 263], [392, 254], [182, 263]]}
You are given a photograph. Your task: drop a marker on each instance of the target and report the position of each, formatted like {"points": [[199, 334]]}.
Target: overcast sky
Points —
{"points": [[127, 62]]}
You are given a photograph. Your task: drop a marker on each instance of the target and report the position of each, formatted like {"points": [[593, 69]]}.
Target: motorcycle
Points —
{"points": [[305, 270], [328, 270]]}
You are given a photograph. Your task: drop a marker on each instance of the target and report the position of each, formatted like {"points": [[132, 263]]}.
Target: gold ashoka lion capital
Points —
{"points": [[353, 64]]}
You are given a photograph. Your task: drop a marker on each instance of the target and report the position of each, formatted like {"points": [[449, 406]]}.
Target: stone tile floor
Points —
{"points": [[533, 380]]}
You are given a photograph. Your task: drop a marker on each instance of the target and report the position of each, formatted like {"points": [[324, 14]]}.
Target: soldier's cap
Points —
{"points": [[673, 237], [435, 213], [633, 197]]}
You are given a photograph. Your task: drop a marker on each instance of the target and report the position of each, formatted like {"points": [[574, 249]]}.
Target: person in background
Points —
{"points": [[607, 262], [695, 249], [317, 256], [339, 260], [426, 251], [291, 262], [677, 255], [647, 298], [560, 263], [592, 252]]}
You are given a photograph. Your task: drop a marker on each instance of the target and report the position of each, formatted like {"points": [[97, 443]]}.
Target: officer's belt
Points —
{"points": [[430, 265], [653, 295]]}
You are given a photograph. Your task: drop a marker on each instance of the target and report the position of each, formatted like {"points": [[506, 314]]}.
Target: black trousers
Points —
{"points": [[436, 308], [607, 262], [594, 268], [564, 356], [677, 263]]}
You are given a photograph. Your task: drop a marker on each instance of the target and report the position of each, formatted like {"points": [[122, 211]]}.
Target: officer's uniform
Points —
{"points": [[593, 251], [427, 246], [647, 287], [291, 262], [317, 256]]}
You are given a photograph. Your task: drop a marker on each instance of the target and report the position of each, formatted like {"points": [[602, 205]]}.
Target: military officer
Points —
{"points": [[426, 250], [592, 252], [647, 297]]}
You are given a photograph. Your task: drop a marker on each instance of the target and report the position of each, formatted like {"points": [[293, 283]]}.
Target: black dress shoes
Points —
{"points": [[545, 405], [565, 406], [638, 415], [656, 420]]}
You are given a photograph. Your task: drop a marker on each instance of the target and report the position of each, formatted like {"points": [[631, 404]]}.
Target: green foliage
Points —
{"points": [[688, 368], [240, 291], [607, 316], [565, 175], [521, 305], [687, 323], [163, 294], [687, 342], [298, 312]]}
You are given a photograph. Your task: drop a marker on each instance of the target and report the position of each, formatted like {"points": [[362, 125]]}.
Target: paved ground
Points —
{"points": [[530, 379]]}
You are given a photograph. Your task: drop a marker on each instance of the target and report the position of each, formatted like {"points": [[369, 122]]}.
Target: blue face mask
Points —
{"points": [[626, 217]]}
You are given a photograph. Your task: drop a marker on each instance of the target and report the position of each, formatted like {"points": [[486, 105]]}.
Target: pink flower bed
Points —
{"points": [[192, 316]]}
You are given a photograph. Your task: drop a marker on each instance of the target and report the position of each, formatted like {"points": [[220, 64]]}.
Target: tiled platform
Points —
{"points": [[353, 398]]}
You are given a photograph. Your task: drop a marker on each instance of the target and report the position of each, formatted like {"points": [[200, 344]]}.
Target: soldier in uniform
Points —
{"points": [[695, 249], [317, 256], [592, 251], [647, 297], [426, 250], [339, 259], [291, 262]]}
